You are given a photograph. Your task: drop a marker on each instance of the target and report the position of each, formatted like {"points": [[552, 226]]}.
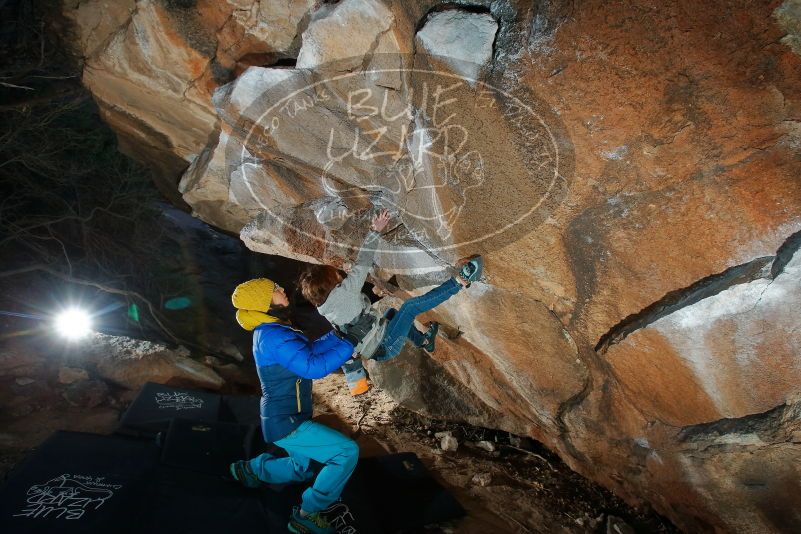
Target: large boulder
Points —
{"points": [[131, 363], [726, 356], [152, 66], [629, 173]]}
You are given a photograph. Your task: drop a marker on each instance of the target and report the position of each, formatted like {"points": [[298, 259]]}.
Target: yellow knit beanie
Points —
{"points": [[252, 300]]}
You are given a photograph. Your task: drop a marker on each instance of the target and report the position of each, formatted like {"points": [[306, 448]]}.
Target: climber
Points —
{"points": [[339, 299], [287, 362]]}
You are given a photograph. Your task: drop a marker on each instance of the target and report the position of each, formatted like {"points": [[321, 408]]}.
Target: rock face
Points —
{"points": [[628, 170], [461, 40], [726, 356], [152, 66]]}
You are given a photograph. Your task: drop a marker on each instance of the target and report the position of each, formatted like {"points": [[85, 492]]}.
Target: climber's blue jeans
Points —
{"points": [[401, 324], [311, 441]]}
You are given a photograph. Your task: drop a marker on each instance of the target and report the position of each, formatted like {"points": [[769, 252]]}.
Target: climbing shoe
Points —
{"points": [[472, 269], [242, 473], [311, 524], [430, 336]]}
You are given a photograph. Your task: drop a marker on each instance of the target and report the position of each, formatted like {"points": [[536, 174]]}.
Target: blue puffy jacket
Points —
{"points": [[287, 362]]}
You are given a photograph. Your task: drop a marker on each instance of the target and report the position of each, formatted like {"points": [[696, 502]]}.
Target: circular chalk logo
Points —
{"points": [[460, 163]]}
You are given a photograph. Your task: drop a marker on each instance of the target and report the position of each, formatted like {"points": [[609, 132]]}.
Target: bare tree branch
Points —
{"points": [[56, 93], [115, 291]]}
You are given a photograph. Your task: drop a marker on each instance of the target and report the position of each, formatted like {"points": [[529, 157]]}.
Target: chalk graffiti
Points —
{"points": [[67, 497], [178, 401], [341, 518], [422, 161], [429, 145]]}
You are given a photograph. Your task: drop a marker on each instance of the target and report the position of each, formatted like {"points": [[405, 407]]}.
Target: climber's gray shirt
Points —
{"points": [[346, 301]]}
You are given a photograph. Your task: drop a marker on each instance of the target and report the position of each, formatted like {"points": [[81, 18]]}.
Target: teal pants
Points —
{"points": [[311, 441]]}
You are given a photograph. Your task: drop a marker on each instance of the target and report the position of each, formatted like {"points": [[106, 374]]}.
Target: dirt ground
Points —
{"points": [[32, 405], [517, 487]]}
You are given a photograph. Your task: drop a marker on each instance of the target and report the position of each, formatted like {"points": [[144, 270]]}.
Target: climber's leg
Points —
{"points": [[399, 327]]}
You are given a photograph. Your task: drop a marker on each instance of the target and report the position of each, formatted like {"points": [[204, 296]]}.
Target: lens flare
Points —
{"points": [[73, 323]]}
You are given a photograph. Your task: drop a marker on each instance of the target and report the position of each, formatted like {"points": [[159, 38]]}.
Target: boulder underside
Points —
{"points": [[629, 171]]}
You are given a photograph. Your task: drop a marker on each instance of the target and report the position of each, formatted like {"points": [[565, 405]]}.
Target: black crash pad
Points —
{"points": [[157, 404], [208, 447], [385, 494], [190, 502], [393, 493], [404, 494], [79, 483], [241, 409], [85, 483]]}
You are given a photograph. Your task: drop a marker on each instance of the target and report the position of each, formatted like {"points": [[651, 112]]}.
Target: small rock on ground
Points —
{"points": [[486, 445], [615, 525], [482, 479], [86, 393], [70, 375], [449, 443]]}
